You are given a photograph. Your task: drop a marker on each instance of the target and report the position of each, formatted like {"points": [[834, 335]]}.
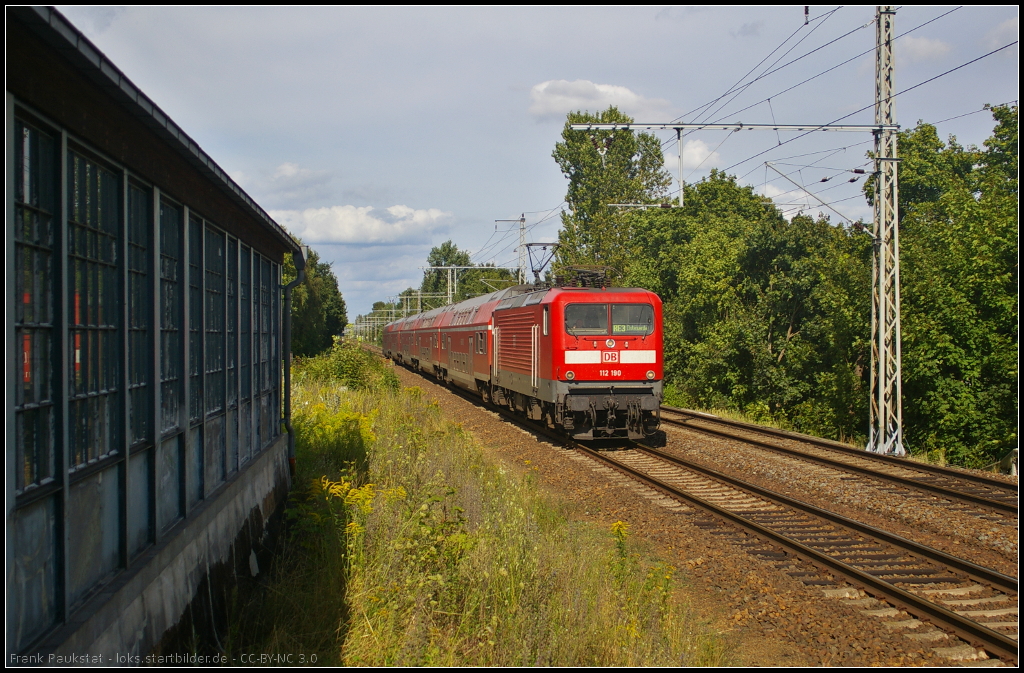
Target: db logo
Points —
{"points": [[609, 356]]}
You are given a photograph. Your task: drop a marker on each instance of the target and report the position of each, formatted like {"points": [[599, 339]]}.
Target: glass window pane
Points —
{"points": [[231, 356], [94, 299], [583, 319], [172, 344], [140, 312], [245, 324], [32, 296], [215, 321], [632, 319], [195, 317]]}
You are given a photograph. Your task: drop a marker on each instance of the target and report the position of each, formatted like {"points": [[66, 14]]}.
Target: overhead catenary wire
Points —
{"points": [[781, 162], [761, 76], [672, 141], [838, 65], [868, 107], [834, 151], [813, 77], [967, 114], [758, 78], [809, 192], [493, 250], [740, 80], [824, 168], [709, 155], [802, 206], [805, 189]]}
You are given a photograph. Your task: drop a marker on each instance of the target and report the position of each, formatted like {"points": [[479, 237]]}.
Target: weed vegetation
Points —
{"points": [[407, 546]]}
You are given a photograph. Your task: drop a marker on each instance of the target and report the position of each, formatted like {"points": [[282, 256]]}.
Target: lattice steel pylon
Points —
{"points": [[886, 432]]}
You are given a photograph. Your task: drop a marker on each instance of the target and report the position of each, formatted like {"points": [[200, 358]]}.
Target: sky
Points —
{"points": [[375, 133]]}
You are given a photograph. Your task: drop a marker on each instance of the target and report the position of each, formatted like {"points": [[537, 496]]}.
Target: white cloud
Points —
{"points": [[359, 226], [290, 171], [696, 153], [556, 97], [288, 186], [912, 49], [1004, 33], [752, 29]]}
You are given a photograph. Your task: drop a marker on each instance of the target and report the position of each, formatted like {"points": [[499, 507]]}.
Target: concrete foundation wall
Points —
{"points": [[223, 540]]}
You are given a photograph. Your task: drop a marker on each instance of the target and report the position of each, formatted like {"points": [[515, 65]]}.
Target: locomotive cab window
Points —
{"points": [[581, 319], [630, 319]]}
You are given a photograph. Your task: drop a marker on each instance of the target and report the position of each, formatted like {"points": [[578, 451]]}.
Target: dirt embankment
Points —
{"points": [[769, 618]]}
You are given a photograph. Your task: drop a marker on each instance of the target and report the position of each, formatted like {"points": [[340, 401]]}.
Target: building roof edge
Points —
{"points": [[59, 32]]}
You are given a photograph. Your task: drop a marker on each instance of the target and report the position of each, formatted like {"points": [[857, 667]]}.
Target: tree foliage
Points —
{"points": [[318, 309], [958, 238], [468, 282], [772, 317], [630, 171], [762, 315]]}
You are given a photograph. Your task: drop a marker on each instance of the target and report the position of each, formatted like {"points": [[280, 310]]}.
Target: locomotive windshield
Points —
{"points": [[586, 319], [632, 319], [626, 319]]}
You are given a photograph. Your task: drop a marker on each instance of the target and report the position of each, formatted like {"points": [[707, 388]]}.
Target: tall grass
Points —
{"points": [[412, 548]]}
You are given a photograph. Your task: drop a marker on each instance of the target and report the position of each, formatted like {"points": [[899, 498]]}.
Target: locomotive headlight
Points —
{"points": [[650, 375], [570, 375]]}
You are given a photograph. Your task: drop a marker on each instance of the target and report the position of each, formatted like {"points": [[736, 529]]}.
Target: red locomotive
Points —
{"points": [[587, 360]]}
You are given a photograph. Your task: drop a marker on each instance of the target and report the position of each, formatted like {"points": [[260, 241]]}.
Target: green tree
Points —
{"points": [[958, 238], [630, 170], [772, 317], [470, 282], [318, 309], [762, 315], [446, 254]]}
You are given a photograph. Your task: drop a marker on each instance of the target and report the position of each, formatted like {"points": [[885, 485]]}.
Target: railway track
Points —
{"points": [[977, 604], [990, 494], [902, 578]]}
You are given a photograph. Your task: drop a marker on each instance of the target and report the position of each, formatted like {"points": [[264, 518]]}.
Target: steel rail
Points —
{"points": [[971, 631], [942, 491], [843, 448], [980, 573]]}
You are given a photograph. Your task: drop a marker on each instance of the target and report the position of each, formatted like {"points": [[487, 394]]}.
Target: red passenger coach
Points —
{"points": [[587, 360]]}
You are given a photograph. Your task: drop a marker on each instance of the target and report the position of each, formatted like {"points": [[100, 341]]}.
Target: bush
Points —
{"points": [[454, 561], [407, 546], [350, 365]]}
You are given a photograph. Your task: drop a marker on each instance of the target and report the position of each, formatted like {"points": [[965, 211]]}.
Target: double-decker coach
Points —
{"points": [[587, 360]]}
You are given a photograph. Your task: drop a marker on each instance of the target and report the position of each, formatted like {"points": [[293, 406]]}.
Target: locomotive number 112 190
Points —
{"points": [[610, 372]]}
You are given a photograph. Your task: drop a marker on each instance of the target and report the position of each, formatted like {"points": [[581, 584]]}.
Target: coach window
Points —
{"points": [[629, 319], [546, 319]]}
